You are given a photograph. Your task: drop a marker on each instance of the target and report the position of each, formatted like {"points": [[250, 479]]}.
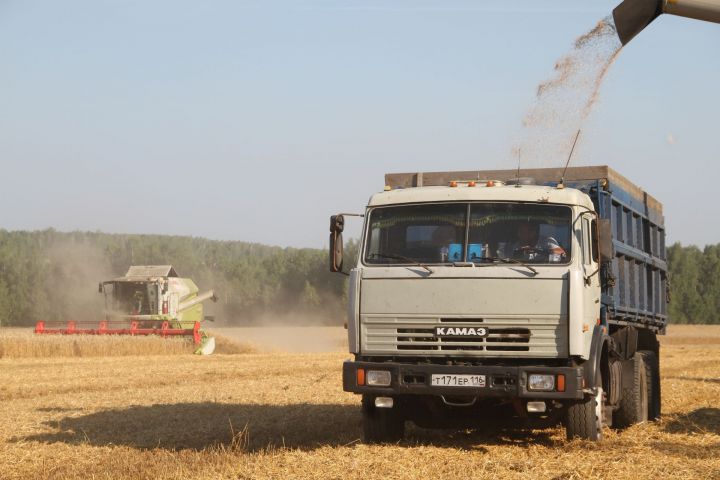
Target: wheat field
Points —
{"points": [[268, 414], [23, 343]]}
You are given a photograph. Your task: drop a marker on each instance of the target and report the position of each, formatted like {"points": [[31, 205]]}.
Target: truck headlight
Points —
{"points": [[378, 378], [538, 381]]}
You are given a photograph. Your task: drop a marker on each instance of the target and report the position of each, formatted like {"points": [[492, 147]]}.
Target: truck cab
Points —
{"points": [[480, 297]]}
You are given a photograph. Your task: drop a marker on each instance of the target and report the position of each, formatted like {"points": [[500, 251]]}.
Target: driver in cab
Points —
{"points": [[531, 247]]}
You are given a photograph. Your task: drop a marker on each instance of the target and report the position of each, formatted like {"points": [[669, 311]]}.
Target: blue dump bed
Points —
{"points": [[634, 277], [632, 233]]}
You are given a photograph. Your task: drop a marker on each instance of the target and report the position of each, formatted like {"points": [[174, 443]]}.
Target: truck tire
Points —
{"points": [[584, 419], [381, 425], [652, 374], [634, 402]]}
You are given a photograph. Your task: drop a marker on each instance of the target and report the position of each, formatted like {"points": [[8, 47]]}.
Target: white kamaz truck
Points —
{"points": [[482, 296]]}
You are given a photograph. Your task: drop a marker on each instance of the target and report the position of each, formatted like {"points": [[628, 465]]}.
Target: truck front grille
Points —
{"points": [[507, 336], [498, 339]]}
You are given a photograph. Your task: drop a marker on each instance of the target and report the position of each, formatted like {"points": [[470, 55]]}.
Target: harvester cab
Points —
{"points": [[149, 300], [154, 294]]}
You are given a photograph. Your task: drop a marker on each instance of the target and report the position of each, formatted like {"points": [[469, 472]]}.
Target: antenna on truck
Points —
{"points": [[519, 151], [562, 178]]}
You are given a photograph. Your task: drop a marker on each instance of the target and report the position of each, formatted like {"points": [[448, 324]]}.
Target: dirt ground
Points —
{"points": [[284, 415]]}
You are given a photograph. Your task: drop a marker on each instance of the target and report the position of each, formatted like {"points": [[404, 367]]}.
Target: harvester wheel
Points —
{"points": [[381, 425]]}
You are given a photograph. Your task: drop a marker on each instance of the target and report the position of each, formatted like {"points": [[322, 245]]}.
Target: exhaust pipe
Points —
{"points": [[632, 16]]}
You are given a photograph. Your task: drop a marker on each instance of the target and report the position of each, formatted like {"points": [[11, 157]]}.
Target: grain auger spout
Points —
{"points": [[187, 304], [632, 16], [148, 300]]}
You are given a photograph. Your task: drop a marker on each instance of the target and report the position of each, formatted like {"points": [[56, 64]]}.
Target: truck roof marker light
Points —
{"points": [[560, 383], [471, 183], [490, 183], [360, 376], [453, 183]]}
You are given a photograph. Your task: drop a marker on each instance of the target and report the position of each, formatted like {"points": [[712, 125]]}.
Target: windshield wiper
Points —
{"points": [[395, 256], [511, 260]]}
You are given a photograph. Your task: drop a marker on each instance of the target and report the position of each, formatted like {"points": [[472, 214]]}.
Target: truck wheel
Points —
{"points": [[381, 425], [584, 419], [652, 374], [634, 403]]}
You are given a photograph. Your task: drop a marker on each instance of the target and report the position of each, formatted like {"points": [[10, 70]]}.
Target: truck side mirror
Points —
{"points": [[337, 225], [605, 236]]}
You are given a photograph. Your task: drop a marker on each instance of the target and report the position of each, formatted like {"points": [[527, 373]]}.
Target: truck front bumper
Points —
{"points": [[500, 381]]}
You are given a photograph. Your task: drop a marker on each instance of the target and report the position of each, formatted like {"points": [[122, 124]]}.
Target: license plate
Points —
{"points": [[457, 380]]}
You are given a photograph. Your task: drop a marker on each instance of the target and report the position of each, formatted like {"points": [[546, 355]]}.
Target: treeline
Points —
{"points": [[694, 284], [53, 276]]}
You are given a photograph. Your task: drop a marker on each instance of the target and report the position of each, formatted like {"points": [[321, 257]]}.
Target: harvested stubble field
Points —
{"points": [[284, 415]]}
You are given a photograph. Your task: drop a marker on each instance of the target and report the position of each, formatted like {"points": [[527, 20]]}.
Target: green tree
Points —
{"points": [[310, 297], [4, 304]]}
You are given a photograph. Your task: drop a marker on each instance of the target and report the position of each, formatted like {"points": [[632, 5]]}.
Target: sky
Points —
{"points": [[257, 120]]}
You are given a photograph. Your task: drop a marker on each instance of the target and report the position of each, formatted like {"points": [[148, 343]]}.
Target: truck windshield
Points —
{"points": [[475, 232]]}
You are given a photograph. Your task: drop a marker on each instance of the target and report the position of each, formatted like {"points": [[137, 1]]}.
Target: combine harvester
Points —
{"points": [[148, 300]]}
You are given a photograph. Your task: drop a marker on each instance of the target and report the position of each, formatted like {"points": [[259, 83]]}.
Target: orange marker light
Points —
{"points": [[471, 184], [490, 183], [453, 184], [561, 383], [360, 376]]}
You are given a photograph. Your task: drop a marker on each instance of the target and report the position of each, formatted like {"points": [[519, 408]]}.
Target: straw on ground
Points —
{"points": [[273, 415]]}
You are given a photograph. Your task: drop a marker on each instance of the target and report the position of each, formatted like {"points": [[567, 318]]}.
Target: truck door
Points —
{"points": [[590, 258]]}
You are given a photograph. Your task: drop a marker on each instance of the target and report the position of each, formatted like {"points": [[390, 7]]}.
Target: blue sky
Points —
{"points": [[256, 120]]}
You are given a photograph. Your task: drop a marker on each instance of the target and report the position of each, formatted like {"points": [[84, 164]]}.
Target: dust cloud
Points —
{"points": [[71, 276], [564, 101], [283, 316], [289, 339]]}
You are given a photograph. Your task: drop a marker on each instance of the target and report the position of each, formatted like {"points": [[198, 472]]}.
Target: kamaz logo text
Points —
{"points": [[460, 332]]}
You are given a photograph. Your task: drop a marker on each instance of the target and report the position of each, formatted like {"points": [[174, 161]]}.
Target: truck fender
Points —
{"points": [[599, 342]]}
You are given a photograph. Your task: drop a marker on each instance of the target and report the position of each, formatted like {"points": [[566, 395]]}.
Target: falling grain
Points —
{"points": [[564, 101]]}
